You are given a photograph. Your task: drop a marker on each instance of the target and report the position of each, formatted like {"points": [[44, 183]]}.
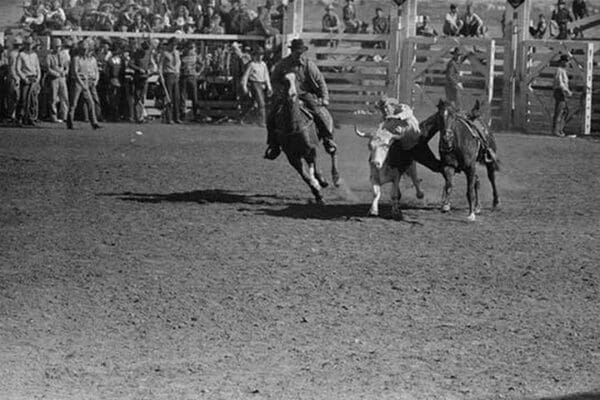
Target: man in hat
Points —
{"points": [[169, 67], [58, 67], [85, 75], [29, 72], [256, 82], [472, 24], [144, 65], [190, 70], [562, 16], [13, 79], [350, 20], [453, 80], [452, 24], [561, 91], [331, 22], [312, 90]]}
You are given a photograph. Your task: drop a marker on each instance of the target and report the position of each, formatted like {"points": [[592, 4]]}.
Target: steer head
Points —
{"points": [[379, 144]]}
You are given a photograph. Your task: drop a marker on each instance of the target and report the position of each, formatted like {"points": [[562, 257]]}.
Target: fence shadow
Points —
{"points": [[202, 197]]}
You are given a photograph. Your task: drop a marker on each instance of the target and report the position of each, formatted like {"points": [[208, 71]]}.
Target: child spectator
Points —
{"points": [[330, 21], [426, 29], [349, 15], [472, 24], [256, 81], [381, 25], [452, 24], [540, 31]]}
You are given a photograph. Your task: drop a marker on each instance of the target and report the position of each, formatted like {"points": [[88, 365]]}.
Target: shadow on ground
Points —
{"points": [[574, 396], [202, 197]]}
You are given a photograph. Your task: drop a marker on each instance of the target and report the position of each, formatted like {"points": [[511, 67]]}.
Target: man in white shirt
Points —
{"points": [[57, 63], [256, 81], [29, 73], [452, 24], [561, 92]]}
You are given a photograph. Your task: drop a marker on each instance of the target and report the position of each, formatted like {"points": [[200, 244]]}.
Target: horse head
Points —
{"points": [[292, 91]]}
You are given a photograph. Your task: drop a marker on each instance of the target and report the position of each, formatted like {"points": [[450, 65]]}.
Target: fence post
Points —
{"points": [[394, 47], [586, 122], [490, 80]]}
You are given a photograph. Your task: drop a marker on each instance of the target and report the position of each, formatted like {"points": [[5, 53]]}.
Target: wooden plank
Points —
{"points": [[355, 97], [354, 77], [356, 51], [148, 35], [356, 88], [354, 37], [347, 63]]}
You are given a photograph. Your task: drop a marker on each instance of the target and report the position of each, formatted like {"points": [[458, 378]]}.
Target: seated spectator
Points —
{"points": [[34, 18], [580, 9], [56, 17], [452, 24], [166, 15], [157, 24], [181, 18], [214, 26], [381, 24], [127, 17], [231, 18], [540, 31], [472, 24], [105, 20], [349, 14], [74, 13], [331, 22], [245, 18], [139, 24], [262, 24], [561, 16], [196, 8], [426, 29]]}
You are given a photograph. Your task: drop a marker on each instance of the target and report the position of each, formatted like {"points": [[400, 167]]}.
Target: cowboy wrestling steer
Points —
{"points": [[382, 170]]}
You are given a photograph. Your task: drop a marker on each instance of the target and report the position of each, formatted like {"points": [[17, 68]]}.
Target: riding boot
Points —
{"points": [[272, 152]]}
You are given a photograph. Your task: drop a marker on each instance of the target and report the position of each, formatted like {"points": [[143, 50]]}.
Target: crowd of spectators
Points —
{"points": [[159, 16], [101, 79]]}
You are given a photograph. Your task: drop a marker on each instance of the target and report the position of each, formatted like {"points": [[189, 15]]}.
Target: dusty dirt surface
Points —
{"points": [[179, 264]]}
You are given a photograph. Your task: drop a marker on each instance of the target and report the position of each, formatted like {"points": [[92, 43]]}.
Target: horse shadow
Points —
{"points": [[201, 197]]}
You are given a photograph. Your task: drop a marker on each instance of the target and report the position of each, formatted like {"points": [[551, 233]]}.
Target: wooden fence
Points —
{"points": [[535, 105], [357, 69], [422, 73]]}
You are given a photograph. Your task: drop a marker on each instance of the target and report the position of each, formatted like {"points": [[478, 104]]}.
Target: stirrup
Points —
{"points": [[330, 146]]}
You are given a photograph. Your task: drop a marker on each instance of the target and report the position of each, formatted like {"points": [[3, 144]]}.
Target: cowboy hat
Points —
{"points": [[564, 58], [298, 44]]}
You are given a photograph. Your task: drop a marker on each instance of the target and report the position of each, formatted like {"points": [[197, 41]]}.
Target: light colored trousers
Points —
{"points": [[59, 94]]}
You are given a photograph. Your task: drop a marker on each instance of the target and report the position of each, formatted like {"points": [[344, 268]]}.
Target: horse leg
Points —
{"points": [[477, 205], [374, 211], [412, 172], [448, 175], [396, 212], [310, 179], [322, 181], [335, 175], [470, 172], [491, 172]]}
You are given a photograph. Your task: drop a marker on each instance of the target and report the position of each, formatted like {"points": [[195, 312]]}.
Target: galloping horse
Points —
{"points": [[297, 135], [460, 149]]}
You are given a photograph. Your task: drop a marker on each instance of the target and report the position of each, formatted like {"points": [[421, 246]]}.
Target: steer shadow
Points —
{"points": [[574, 396], [202, 197]]}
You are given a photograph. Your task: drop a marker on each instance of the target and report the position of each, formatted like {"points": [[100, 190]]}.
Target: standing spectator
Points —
{"points": [[29, 73], [144, 65], [190, 69], [114, 69], [57, 64], [84, 73], [453, 80], [169, 66], [472, 24], [561, 92], [540, 31], [562, 17], [381, 24], [14, 82], [349, 15], [56, 17], [128, 83], [452, 24], [425, 29], [330, 21], [4, 77], [580, 9], [257, 82], [103, 54], [239, 61]]}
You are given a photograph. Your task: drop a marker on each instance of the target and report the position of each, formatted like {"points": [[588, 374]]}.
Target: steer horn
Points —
{"points": [[361, 134]]}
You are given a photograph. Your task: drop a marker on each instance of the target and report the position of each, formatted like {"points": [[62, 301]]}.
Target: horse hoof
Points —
{"points": [[323, 184], [320, 202], [478, 210], [471, 217], [445, 208], [420, 195], [372, 214], [337, 181]]}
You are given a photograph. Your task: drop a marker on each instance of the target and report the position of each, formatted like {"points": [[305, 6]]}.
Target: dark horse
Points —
{"points": [[297, 135], [461, 148]]}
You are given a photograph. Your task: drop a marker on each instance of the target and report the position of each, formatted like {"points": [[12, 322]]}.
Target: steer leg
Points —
{"points": [[448, 175], [396, 212], [376, 185], [412, 172], [471, 177], [322, 181], [335, 175]]}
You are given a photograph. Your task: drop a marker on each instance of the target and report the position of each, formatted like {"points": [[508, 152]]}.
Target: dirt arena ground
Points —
{"points": [[178, 264]]}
